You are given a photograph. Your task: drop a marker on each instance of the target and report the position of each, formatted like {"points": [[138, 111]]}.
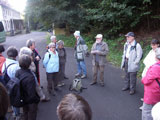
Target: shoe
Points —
{"points": [[102, 84], [132, 92], [65, 77], [93, 83], [142, 99], [42, 98], [57, 89], [124, 89], [83, 76], [141, 107], [60, 84], [45, 100], [77, 75]]}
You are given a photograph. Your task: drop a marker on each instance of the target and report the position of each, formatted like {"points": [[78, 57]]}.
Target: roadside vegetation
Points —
{"points": [[112, 18]]}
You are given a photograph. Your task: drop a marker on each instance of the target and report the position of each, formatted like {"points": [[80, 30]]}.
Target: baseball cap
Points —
{"points": [[130, 34]]}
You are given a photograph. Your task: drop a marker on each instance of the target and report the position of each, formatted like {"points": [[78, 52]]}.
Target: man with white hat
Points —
{"points": [[99, 51], [132, 54], [80, 50]]}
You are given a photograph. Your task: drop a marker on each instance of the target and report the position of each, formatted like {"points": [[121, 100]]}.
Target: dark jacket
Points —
{"points": [[28, 86], [36, 62]]}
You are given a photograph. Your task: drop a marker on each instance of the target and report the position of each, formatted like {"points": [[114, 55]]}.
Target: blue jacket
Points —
{"points": [[51, 62]]}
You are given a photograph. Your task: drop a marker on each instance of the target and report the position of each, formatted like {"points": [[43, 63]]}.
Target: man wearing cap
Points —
{"points": [[80, 51], [132, 54], [99, 51]]}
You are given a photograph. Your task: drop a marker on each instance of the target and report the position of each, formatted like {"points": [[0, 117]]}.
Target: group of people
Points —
{"points": [[132, 54], [27, 70]]}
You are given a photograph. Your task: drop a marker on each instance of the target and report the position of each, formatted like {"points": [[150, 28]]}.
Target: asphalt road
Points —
{"points": [[107, 103]]}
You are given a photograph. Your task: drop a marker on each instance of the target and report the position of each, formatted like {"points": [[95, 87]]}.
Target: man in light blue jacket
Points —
{"points": [[132, 55], [51, 63]]}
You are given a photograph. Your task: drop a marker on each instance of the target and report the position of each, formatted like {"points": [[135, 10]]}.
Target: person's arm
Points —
{"points": [[139, 53], [151, 75], [46, 59]]}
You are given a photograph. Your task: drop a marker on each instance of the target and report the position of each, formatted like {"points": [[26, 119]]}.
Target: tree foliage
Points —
{"points": [[96, 16]]}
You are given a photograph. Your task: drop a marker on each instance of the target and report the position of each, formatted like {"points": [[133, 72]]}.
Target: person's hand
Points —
{"points": [[96, 51], [37, 58], [93, 52], [87, 54]]}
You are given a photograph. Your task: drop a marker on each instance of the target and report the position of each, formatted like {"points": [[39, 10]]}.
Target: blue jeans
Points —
{"points": [[81, 67], [16, 111]]}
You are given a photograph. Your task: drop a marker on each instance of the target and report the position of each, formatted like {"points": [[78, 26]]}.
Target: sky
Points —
{"points": [[18, 5]]}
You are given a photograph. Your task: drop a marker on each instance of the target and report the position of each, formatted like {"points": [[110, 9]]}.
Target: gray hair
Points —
{"points": [[60, 42], [157, 52], [52, 38], [30, 42], [74, 107], [51, 45], [26, 51]]}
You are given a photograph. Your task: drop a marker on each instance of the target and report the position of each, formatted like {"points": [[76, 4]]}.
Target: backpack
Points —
{"points": [[5, 77], [76, 85], [49, 55], [134, 47], [15, 92]]}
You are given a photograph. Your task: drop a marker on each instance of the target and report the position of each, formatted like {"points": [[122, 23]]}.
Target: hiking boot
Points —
{"points": [[83, 76]]}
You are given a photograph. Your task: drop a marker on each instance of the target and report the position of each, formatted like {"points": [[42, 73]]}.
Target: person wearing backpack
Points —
{"points": [[32, 67], [51, 63], [28, 85], [2, 60], [81, 50], [151, 83], [12, 65], [132, 54]]}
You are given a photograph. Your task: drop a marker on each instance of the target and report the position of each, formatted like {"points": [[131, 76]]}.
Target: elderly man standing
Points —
{"points": [[132, 55], [80, 51], [99, 51]]}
